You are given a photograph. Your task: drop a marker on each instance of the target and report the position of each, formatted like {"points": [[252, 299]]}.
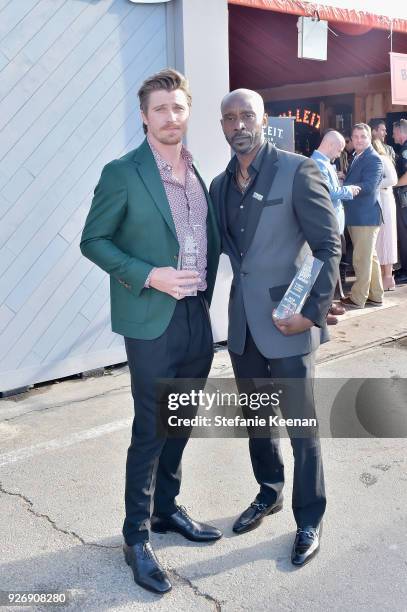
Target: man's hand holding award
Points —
{"points": [[287, 316]]}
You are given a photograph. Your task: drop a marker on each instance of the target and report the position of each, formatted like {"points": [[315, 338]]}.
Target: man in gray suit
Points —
{"points": [[274, 208]]}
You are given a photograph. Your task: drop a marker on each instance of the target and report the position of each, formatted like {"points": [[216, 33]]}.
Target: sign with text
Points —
{"points": [[398, 65], [280, 132], [304, 115]]}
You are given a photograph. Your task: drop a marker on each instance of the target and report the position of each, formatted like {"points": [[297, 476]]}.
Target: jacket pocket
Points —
{"points": [[274, 202]]}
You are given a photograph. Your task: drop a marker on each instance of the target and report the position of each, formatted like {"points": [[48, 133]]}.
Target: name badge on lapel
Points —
{"points": [[258, 196]]}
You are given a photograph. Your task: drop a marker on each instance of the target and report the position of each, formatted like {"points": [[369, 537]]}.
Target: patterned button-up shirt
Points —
{"points": [[188, 206]]}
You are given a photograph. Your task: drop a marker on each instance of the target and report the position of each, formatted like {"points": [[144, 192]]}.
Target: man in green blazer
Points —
{"points": [[147, 206]]}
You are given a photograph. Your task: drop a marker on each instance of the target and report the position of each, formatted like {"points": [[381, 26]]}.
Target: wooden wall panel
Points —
{"points": [[69, 75]]}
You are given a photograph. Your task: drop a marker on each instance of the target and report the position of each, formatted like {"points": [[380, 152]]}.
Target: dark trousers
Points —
{"points": [[402, 235], [153, 469], [308, 496]]}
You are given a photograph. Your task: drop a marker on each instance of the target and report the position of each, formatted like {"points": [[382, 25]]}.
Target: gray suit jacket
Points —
{"points": [[294, 216]]}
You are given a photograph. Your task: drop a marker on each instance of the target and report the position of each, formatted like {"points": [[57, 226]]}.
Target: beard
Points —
{"points": [[170, 135], [245, 142], [170, 139]]}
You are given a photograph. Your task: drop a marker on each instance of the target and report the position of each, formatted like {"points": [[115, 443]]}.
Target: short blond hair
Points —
{"points": [[167, 79], [363, 126]]}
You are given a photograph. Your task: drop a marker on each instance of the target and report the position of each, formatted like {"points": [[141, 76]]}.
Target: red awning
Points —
{"points": [[328, 13]]}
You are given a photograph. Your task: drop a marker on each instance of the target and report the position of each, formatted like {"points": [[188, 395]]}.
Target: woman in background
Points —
{"points": [[386, 245]]}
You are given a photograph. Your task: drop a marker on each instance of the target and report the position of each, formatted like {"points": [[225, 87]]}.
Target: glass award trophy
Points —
{"points": [[299, 288], [188, 257]]}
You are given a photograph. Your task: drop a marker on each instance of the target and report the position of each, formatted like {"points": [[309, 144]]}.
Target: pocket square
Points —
{"points": [[273, 202]]}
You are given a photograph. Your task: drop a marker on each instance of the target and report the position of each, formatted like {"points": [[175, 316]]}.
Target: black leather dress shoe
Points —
{"points": [[181, 523], [147, 570], [254, 514], [306, 545]]}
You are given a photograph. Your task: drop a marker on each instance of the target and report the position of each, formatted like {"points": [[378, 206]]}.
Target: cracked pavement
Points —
{"points": [[62, 457]]}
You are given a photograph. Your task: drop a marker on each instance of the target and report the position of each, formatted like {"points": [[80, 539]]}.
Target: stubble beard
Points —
{"points": [[170, 140], [246, 150]]}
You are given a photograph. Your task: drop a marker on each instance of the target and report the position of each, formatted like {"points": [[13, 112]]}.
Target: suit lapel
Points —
{"points": [[222, 201], [265, 178], [356, 161], [352, 166], [229, 246], [149, 174]]}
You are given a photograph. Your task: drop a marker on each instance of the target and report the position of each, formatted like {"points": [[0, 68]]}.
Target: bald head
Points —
{"points": [[333, 137], [242, 95], [243, 118], [332, 144]]}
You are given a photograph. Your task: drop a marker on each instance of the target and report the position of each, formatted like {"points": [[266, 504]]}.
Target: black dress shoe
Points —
{"points": [[254, 514], [147, 570], [181, 523], [306, 545]]}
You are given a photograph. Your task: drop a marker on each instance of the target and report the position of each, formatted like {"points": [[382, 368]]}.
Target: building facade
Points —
{"points": [[69, 75]]}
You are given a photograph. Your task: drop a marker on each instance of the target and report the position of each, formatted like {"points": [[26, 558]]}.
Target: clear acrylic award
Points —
{"points": [[299, 288], [188, 257]]}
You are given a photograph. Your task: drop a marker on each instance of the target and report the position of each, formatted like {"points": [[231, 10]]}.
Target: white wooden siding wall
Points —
{"points": [[69, 74]]}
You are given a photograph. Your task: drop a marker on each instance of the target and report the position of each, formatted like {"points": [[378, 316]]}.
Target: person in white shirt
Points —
{"points": [[386, 245]]}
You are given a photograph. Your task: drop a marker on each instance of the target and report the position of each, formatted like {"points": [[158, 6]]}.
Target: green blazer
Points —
{"points": [[129, 230]]}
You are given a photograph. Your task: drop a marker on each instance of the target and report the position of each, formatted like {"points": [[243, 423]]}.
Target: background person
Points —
{"points": [[363, 218], [400, 137], [343, 162], [386, 245], [330, 149], [379, 132]]}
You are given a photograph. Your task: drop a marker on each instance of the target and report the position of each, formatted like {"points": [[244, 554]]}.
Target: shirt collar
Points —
{"points": [[324, 157], [358, 155], [163, 164], [254, 166]]}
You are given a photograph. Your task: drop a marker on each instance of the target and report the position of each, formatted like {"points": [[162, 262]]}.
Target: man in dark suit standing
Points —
{"points": [[273, 208], [363, 218], [145, 207]]}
